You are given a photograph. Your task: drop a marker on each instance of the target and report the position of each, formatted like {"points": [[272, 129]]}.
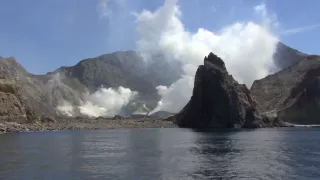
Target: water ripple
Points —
{"points": [[162, 154]]}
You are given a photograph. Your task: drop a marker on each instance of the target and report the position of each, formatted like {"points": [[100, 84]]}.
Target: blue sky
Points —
{"points": [[46, 34]]}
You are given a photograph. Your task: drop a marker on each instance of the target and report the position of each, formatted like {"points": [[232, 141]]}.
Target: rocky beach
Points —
{"points": [[83, 124]]}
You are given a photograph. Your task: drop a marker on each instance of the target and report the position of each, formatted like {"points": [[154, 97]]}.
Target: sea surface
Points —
{"points": [[280, 153]]}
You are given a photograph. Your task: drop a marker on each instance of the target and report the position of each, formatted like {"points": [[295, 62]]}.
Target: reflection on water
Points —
{"points": [[143, 155], [162, 154]]}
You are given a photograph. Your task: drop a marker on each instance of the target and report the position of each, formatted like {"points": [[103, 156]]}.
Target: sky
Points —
{"points": [[44, 35]]}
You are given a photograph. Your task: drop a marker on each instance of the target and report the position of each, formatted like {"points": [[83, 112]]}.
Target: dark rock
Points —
{"points": [[47, 119], [2, 129], [215, 61], [118, 117], [218, 101], [286, 56], [79, 118], [303, 104]]}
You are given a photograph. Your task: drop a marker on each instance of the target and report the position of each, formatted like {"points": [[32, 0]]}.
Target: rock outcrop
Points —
{"points": [[218, 101], [302, 106], [118, 117], [293, 93], [12, 108]]}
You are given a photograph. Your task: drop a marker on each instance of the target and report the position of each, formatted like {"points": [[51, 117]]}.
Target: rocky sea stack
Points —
{"points": [[218, 101]]}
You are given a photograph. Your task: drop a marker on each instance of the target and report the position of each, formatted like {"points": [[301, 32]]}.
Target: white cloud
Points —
{"points": [[246, 47], [261, 8], [300, 29]]}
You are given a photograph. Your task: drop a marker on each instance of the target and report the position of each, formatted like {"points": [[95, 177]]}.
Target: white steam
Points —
{"points": [[246, 47], [107, 102], [66, 108], [104, 102], [175, 97]]}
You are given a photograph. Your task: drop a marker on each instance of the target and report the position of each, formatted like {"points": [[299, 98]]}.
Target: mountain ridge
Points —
{"points": [[126, 68], [291, 94], [122, 68]]}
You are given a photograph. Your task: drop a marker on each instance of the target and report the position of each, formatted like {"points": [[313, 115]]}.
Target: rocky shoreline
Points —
{"points": [[93, 124], [217, 101], [84, 124]]}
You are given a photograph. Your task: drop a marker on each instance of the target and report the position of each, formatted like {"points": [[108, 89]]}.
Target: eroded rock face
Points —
{"points": [[12, 107], [44, 93], [292, 94], [303, 104], [218, 101]]}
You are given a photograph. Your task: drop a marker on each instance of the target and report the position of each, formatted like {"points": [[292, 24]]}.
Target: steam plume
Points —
{"points": [[246, 47], [107, 101], [103, 102]]}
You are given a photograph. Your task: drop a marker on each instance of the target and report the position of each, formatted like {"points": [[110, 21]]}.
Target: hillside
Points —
{"points": [[272, 90], [68, 84], [285, 56], [292, 92], [12, 107]]}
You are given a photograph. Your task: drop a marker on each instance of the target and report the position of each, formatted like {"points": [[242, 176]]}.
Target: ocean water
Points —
{"points": [[279, 153]]}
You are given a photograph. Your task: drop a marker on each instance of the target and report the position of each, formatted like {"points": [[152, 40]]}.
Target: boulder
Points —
{"points": [[118, 117], [47, 119], [218, 101]]}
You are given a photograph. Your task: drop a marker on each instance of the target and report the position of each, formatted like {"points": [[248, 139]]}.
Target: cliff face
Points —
{"points": [[273, 90], [292, 93], [218, 101], [41, 92], [302, 106], [12, 108]]}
